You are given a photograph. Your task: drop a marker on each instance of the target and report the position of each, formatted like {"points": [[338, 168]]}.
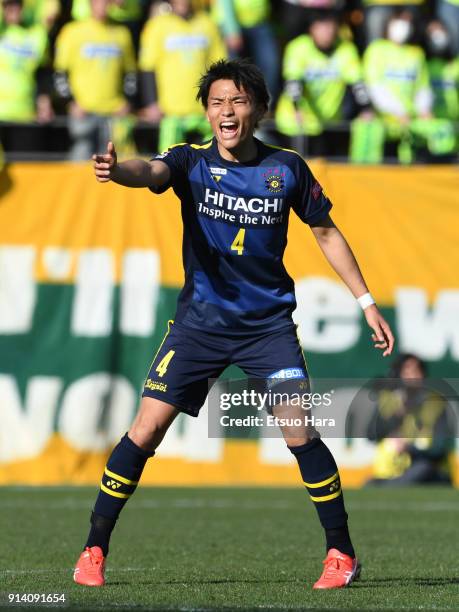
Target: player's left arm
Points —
{"points": [[341, 258]]}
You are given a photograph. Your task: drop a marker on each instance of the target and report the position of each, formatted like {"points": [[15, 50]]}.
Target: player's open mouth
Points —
{"points": [[228, 128]]}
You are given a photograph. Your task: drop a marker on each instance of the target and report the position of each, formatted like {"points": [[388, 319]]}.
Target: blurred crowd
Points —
{"points": [[364, 79]]}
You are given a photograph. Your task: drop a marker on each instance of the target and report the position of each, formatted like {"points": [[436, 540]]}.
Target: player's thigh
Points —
{"points": [[278, 359], [275, 357], [182, 367]]}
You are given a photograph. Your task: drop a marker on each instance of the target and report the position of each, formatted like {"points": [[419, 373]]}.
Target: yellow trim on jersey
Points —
{"points": [[179, 144], [114, 493], [120, 478], [281, 149], [316, 485], [327, 497], [204, 146]]}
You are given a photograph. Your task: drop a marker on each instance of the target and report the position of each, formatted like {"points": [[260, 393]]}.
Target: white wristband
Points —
{"points": [[365, 300]]}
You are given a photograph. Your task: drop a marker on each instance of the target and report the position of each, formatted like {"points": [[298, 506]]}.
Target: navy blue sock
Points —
{"points": [[119, 481], [321, 478]]}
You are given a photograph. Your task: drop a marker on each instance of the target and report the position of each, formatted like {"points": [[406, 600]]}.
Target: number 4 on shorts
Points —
{"points": [[164, 363]]}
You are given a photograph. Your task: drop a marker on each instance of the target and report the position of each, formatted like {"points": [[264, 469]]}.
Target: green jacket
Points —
{"points": [[397, 79], [444, 82], [324, 77], [22, 51]]}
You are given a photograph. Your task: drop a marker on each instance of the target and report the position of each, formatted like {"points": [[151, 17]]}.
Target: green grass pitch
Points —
{"points": [[233, 548]]}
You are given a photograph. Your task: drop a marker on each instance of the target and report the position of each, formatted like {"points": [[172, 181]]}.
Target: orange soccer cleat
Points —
{"points": [[90, 567], [339, 571]]}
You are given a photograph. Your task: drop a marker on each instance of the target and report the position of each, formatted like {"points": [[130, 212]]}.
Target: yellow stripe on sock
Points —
{"points": [[326, 497], [316, 485], [120, 478], [114, 493]]}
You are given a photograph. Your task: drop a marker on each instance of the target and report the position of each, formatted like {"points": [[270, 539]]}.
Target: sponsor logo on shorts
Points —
{"points": [[288, 373], [285, 374], [155, 385]]}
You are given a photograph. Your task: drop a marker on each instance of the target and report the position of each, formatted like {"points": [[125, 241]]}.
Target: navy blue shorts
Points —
{"points": [[187, 358]]}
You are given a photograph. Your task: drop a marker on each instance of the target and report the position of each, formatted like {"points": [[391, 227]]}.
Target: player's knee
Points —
{"points": [[299, 437], [151, 423], [296, 440]]}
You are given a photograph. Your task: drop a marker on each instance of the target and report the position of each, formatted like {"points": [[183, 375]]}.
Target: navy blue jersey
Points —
{"points": [[235, 219]]}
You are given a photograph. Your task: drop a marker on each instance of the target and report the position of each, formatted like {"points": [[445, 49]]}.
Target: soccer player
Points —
{"points": [[236, 305]]}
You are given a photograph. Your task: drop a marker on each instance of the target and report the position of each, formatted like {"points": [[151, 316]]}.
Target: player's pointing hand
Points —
{"points": [[104, 164], [382, 337]]}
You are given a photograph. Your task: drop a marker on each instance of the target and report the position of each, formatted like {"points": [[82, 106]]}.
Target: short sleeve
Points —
{"points": [[351, 64], [64, 49], [423, 73], [294, 60], [217, 49], [150, 46], [177, 158], [373, 62], [128, 51], [311, 204]]}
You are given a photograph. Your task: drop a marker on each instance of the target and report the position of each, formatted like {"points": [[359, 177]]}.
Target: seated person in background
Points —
{"points": [[95, 72], [175, 49], [321, 72], [443, 68], [397, 78], [23, 56], [413, 428]]}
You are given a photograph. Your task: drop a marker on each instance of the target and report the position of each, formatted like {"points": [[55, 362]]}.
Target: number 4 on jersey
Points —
{"points": [[164, 363], [238, 242]]}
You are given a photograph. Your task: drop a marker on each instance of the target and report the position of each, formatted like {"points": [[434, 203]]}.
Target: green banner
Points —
{"points": [[89, 277]]}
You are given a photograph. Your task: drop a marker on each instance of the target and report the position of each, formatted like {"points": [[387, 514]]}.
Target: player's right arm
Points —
{"points": [[130, 173]]}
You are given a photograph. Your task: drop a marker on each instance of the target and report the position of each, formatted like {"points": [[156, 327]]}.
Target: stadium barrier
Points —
{"points": [[89, 276], [351, 141]]}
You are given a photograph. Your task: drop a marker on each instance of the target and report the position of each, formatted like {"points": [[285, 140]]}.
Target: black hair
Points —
{"points": [[243, 73], [399, 362], [324, 15]]}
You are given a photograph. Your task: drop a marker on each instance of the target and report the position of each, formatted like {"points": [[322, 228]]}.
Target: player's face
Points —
{"points": [[232, 114]]}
